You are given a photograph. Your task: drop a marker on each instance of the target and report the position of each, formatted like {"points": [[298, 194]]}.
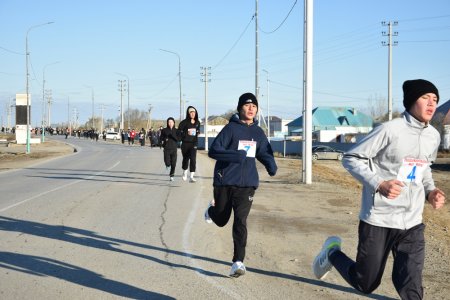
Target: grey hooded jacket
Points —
{"points": [[380, 157]]}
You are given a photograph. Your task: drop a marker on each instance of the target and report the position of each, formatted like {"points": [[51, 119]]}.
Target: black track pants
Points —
{"points": [[170, 159], [189, 151], [239, 200], [375, 243]]}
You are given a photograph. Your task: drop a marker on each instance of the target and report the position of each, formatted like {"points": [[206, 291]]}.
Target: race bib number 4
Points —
{"points": [[412, 170], [249, 147], [192, 131]]}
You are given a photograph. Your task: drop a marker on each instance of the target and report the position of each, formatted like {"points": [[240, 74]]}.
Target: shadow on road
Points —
{"points": [[106, 175], [44, 266]]}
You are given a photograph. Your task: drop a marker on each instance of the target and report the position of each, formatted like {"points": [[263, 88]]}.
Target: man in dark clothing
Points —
{"points": [[189, 129], [236, 149], [169, 140]]}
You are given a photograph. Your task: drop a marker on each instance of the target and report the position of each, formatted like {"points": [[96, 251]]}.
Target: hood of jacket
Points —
{"points": [[167, 122], [188, 117], [235, 118]]}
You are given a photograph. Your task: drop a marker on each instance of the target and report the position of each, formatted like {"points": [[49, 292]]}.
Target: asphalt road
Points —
{"points": [[100, 223], [106, 223]]}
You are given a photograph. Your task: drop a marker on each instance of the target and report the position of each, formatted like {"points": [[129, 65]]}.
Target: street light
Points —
{"points": [[179, 78], [268, 99], [43, 99], [128, 90], [27, 54]]}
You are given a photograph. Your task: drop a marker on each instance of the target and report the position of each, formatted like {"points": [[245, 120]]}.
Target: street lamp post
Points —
{"points": [[43, 100], [179, 79], [268, 102], [27, 54]]}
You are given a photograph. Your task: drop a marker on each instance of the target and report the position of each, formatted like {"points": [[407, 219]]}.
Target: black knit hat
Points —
{"points": [[414, 89], [246, 98]]}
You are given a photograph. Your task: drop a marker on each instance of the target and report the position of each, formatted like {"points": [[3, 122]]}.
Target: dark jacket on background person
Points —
{"points": [[169, 137], [189, 132], [233, 167]]}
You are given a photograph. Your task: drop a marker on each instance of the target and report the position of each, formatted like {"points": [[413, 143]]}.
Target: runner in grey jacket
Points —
{"points": [[390, 150], [393, 164]]}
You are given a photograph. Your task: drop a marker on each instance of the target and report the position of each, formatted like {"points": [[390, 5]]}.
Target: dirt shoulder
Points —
{"points": [[294, 219], [13, 156]]}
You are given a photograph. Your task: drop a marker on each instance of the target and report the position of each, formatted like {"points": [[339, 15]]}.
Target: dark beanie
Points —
{"points": [[414, 89], [246, 98]]}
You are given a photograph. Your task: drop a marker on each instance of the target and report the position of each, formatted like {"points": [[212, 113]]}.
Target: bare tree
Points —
{"points": [[377, 107]]}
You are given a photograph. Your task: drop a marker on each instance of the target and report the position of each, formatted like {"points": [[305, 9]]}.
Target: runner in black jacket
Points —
{"points": [[169, 139], [236, 149], [189, 129]]}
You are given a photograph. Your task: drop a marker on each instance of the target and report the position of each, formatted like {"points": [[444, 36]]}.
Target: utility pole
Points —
{"points": [[149, 120], [75, 117], [389, 43], [205, 73], [48, 94], [307, 92], [8, 120], [102, 108], [93, 114], [268, 104], [121, 90], [257, 59], [69, 124]]}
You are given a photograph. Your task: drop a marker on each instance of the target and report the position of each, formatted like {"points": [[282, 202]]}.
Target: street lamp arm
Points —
{"points": [[179, 78]]}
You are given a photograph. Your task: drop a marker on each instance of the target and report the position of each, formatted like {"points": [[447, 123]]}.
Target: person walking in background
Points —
{"points": [[236, 149], [189, 129], [159, 136], [169, 140], [142, 137], [132, 136], [393, 164]]}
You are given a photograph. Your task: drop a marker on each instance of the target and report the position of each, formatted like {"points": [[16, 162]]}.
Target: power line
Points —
{"points": [[10, 51], [424, 18], [281, 24], [234, 45]]}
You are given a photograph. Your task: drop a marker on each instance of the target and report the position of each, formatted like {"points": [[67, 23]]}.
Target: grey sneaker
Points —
{"points": [[322, 265], [237, 269]]}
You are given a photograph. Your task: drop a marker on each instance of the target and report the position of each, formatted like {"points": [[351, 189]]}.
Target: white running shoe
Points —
{"points": [[184, 175], [237, 269], [171, 178], [167, 168], [192, 179], [207, 217], [322, 265]]}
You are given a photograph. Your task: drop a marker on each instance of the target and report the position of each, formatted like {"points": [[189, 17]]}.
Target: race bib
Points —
{"points": [[192, 131], [412, 170], [249, 147]]}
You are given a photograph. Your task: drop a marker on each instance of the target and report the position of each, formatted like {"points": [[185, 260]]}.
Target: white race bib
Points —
{"points": [[412, 170], [192, 131], [249, 147]]}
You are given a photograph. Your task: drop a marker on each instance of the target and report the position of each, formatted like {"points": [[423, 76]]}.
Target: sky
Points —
{"points": [[92, 44]]}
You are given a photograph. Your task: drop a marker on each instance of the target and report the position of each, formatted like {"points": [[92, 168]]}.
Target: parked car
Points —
{"points": [[326, 152], [113, 136]]}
